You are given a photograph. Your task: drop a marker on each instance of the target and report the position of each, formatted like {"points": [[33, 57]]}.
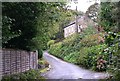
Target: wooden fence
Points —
{"points": [[16, 61]]}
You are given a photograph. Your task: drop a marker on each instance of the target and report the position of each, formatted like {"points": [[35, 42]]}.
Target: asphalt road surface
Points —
{"points": [[64, 70]]}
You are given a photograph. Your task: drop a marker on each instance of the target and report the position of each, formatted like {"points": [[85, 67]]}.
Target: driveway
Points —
{"points": [[64, 70]]}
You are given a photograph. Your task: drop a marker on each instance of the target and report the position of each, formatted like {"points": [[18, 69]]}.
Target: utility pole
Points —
{"points": [[76, 20], [76, 17]]}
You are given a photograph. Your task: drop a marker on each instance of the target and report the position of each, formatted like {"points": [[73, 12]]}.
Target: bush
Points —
{"points": [[71, 57], [50, 43], [90, 30], [55, 49], [101, 64], [69, 40], [117, 74], [77, 54], [81, 57], [82, 49], [91, 40], [40, 53], [93, 54], [27, 76], [72, 50], [113, 42]]}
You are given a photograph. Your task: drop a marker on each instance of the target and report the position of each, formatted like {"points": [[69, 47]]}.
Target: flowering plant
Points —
{"points": [[101, 64]]}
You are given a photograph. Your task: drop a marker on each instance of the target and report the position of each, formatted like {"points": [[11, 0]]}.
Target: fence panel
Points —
{"points": [[16, 61]]}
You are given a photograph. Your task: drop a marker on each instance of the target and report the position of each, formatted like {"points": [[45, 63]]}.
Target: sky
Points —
{"points": [[82, 5]]}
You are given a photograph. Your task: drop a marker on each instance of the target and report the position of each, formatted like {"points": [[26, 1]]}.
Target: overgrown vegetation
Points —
{"points": [[43, 65], [30, 26], [26, 76], [110, 21], [40, 53], [82, 49], [95, 50], [30, 74]]}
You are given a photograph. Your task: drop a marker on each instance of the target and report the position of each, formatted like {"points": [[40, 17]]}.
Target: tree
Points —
{"points": [[48, 23], [116, 16], [7, 33], [93, 11], [110, 21], [31, 25], [19, 21], [106, 16]]}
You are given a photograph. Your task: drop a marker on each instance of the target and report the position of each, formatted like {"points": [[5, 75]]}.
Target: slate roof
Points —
{"points": [[70, 24], [73, 22]]}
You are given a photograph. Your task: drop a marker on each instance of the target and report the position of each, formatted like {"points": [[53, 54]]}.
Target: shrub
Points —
{"points": [[69, 40], [87, 56], [72, 50], [81, 56], [50, 43], [93, 54], [40, 53], [101, 64], [27, 76], [55, 49], [81, 49], [117, 74], [113, 42], [91, 40], [72, 57], [90, 30]]}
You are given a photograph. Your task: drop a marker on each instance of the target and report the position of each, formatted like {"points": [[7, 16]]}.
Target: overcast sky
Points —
{"points": [[82, 5]]}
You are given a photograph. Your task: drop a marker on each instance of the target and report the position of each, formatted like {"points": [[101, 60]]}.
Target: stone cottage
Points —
{"points": [[83, 22]]}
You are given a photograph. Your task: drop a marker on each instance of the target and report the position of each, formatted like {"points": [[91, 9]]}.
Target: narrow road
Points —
{"points": [[63, 70]]}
